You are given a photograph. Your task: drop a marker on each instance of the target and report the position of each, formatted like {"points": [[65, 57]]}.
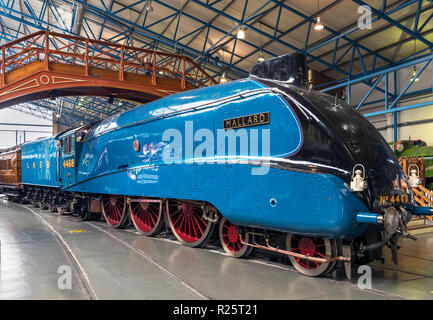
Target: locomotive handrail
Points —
{"points": [[51, 47]]}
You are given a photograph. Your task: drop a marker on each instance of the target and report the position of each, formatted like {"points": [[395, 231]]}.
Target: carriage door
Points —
{"points": [[67, 160]]}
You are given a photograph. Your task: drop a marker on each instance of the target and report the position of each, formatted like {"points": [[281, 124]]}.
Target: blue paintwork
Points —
{"points": [[421, 211], [39, 166], [243, 198], [366, 217], [107, 163], [68, 161]]}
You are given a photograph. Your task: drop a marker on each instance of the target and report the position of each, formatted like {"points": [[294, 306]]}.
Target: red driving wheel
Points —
{"points": [[187, 224], [316, 247], [146, 215], [114, 211], [230, 240]]}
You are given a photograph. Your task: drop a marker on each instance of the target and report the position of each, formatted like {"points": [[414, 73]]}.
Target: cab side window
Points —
{"points": [[69, 145]]}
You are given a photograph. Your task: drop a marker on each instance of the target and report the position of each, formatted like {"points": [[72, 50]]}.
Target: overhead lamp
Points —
{"points": [[414, 75], [57, 115], [318, 26], [149, 6], [261, 58], [241, 33], [161, 72], [223, 78]]}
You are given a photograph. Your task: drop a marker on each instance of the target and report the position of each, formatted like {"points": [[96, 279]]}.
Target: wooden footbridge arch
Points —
{"points": [[47, 65]]}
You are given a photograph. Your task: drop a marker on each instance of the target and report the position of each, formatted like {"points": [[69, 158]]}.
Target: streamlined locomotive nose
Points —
{"points": [[383, 181]]}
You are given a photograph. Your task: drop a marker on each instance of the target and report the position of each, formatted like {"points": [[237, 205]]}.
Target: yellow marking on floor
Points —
{"points": [[76, 231]]}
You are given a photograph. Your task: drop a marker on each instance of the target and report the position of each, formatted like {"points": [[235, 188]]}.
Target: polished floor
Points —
{"points": [[121, 264]]}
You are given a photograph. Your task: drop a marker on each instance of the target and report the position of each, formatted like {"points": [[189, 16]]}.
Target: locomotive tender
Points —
{"points": [[265, 163]]}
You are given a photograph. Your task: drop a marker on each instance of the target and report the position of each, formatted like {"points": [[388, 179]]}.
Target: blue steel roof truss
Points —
{"points": [[132, 32]]}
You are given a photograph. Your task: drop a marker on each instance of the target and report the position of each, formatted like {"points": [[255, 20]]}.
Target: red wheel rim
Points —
{"points": [[230, 235], [146, 214], [114, 209], [313, 247], [187, 221]]}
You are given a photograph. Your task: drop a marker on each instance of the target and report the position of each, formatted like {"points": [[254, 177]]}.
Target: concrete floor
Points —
{"points": [[120, 264]]}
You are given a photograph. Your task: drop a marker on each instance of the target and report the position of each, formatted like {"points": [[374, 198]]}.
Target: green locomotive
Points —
{"points": [[417, 148]]}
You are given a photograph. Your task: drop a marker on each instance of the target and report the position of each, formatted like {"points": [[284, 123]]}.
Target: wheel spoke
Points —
{"points": [[321, 254], [182, 222], [179, 217], [198, 224], [194, 227], [150, 218]]}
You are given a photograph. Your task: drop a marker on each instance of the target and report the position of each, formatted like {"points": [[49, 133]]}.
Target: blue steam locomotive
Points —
{"points": [[263, 162]]}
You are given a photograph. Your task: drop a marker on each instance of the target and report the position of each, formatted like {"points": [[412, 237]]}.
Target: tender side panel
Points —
{"points": [[39, 164]]}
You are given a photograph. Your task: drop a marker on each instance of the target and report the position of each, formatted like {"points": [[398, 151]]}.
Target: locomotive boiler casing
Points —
{"points": [[297, 196]]}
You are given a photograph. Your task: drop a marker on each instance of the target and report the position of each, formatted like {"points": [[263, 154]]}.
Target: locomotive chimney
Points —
{"points": [[290, 68]]}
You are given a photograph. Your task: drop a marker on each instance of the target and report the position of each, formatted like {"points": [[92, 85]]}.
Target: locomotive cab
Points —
{"points": [[69, 145]]}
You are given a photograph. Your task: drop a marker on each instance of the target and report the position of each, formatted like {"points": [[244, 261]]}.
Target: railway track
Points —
{"points": [[79, 270], [150, 259], [341, 281], [124, 238]]}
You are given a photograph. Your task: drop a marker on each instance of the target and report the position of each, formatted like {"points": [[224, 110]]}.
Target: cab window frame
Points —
{"points": [[69, 144]]}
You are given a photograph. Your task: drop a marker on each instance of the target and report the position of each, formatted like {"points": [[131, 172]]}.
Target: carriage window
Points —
{"points": [[69, 146]]}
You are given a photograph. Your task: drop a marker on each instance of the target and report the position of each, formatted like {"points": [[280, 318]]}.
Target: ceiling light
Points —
{"points": [[57, 115], [161, 72], [149, 6], [223, 78], [414, 75], [318, 26], [261, 58], [241, 33]]}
